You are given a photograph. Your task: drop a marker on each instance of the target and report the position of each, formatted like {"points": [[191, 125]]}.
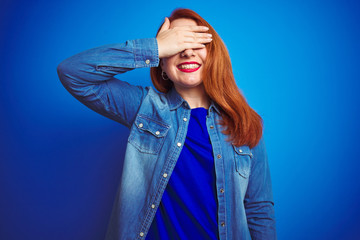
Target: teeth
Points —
{"points": [[189, 66]]}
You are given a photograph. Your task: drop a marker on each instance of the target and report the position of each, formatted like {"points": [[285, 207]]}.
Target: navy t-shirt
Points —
{"points": [[188, 208]]}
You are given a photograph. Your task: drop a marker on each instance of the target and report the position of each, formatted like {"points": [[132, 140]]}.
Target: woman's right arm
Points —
{"points": [[89, 77]]}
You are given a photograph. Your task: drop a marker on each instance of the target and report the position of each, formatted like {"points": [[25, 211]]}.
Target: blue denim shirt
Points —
{"points": [[158, 125]]}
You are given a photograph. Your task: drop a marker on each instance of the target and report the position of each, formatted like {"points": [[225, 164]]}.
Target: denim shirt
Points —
{"points": [[158, 126]]}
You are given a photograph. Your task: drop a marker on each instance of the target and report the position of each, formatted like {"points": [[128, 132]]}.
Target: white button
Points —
{"points": [[141, 125], [165, 175], [157, 132], [141, 234], [185, 119], [147, 61], [240, 150], [178, 144], [153, 206]]}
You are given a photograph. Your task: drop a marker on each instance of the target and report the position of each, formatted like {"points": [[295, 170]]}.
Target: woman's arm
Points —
{"points": [[89, 77], [259, 205]]}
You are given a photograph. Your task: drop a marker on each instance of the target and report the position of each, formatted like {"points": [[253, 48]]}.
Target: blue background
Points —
{"points": [[297, 63]]}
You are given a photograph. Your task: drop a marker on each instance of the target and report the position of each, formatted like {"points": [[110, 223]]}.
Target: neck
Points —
{"points": [[195, 97]]}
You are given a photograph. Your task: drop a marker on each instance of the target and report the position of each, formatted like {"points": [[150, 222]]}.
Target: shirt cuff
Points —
{"points": [[146, 52]]}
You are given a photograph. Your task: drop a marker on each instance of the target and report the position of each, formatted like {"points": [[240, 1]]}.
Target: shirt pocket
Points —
{"points": [[148, 135], [243, 158]]}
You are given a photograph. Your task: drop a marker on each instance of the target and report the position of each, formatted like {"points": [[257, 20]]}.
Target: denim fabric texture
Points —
{"points": [[158, 126]]}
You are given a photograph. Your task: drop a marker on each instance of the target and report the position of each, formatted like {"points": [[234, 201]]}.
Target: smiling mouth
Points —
{"points": [[188, 66]]}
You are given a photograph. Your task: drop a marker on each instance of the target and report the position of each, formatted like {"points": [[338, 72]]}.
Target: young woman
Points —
{"points": [[195, 165]]}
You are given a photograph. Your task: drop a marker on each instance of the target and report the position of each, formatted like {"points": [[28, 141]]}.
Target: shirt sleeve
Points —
{"points": [[89, 77], [259, 205]]}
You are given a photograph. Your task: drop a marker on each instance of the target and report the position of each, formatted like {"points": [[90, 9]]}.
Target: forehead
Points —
{"points": [[182, 22]]}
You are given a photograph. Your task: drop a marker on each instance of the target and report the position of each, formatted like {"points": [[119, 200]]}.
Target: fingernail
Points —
{"points": [[205, 28], [209, 35]]}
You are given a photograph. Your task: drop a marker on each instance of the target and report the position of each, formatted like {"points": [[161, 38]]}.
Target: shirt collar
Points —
{"points": [[214, 106], [175, 101]]}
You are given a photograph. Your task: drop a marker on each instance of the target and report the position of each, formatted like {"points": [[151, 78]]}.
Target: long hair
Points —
{"points": [[240, 122]]}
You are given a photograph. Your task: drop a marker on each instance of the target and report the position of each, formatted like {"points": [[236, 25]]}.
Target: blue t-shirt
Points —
{"points": [[188, 208]]}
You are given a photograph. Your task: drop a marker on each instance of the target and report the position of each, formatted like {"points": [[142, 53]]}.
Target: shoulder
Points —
{"points": [[259, 151], [156, 98]]}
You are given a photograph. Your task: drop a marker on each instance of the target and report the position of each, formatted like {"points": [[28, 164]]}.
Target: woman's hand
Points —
{"points": [[174, 40]]}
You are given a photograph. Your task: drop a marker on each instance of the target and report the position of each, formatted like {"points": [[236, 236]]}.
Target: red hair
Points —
{"points": [[240, 122]]}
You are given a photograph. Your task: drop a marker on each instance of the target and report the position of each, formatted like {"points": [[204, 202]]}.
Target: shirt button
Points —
{"points": [[141, 234], [218, 156], [185, 119], [165, 175], [147, 61], [223, 224], [222, 190], [157, 132], [141, 125], [152, 206], [179, 144], [211, 127], [240, 150]]}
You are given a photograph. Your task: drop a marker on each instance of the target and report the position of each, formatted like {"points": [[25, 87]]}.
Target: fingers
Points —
{"points": [[197, 40], [193, 45], [197, 35], [203, 35], [174, 40], [165, 26], [191, 37], [195, 28]]}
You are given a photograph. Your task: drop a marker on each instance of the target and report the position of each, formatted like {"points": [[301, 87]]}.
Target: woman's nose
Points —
{"points": [[187, 53]]}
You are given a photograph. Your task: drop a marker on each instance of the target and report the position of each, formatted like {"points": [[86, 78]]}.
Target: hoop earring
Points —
{"points": [[164, 76]]}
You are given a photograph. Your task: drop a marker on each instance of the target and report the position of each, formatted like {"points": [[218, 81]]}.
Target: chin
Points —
{"points": [[190, 84]]}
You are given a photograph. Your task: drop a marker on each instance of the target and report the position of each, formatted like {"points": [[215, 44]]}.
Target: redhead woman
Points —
{"points": [[195, 165]]}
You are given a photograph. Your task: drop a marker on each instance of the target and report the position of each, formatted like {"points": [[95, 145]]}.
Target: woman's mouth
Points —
{"points": [[188, 66]]}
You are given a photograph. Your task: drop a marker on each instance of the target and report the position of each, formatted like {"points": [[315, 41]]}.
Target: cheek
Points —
{"points": [[203, 53], [167, 63], [163, 64]]}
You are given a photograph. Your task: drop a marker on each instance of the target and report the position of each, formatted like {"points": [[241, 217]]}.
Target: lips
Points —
{"points": [[188, 66]]}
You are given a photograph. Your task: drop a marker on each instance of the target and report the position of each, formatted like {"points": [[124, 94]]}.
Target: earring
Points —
{"points": [[164, 76]]}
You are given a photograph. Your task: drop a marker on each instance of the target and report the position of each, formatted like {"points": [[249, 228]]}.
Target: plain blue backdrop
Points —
{"points": [[297, 63]]}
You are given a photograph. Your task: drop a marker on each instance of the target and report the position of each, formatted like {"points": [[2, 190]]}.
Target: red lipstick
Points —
{"points": [[188, 70]]}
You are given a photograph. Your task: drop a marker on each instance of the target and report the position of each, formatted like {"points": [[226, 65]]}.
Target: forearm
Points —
{"points": [[261, 220], [102, 63], [259, 204], [89, 77]]}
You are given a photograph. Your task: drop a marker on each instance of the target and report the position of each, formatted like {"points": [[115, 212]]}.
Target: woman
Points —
{"points": [[199, 130]]}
